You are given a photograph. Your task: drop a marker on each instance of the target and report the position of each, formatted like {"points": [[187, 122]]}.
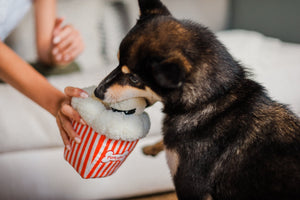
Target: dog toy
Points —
{"points": [[111, 133]]}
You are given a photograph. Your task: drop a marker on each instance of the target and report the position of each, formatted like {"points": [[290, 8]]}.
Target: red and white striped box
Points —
{"points": [[97, 156]]}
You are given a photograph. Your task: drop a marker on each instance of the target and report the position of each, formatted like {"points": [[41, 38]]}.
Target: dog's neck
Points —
{"points": [[187, 118]]}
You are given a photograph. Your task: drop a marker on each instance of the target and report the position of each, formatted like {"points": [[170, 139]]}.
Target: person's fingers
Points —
{"points": [[66, 107], [68, 128], [63, 33], [58, 22], [73, 51], [61, 52], [66, 41], [67, 114], [75, 92], [66, 58], [71, 113], [68, 47], [63, 134], [57, 26], [76, 44]]}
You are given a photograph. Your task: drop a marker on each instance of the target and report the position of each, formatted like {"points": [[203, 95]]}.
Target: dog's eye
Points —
{"points": [[133, 78]]}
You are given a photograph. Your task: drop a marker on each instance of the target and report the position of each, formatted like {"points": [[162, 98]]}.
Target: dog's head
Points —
{"points": [[165, 59]]}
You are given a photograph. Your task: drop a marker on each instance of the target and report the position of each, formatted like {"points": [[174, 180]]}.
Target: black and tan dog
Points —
{"points": [[224, 137]]}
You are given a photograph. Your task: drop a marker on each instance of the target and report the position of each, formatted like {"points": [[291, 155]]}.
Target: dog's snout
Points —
{"points": [[99, 92], [105, 83]]}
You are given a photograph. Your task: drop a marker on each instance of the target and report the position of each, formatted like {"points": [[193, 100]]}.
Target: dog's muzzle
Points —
{"points": [[99, 92], [101, 89]]}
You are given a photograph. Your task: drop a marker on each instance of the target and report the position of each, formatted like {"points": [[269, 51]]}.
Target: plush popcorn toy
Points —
{"points": [[111, 133]]}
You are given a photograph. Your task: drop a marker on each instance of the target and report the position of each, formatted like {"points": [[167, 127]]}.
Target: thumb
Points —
{"points": [[57, 24], [75, 92]]}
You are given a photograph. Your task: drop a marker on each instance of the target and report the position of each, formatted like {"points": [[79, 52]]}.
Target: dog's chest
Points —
{"points": [[172, 160]]}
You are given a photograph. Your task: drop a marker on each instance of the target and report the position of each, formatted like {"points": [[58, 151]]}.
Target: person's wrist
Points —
{"points": [[57, 105], [46, 58]]}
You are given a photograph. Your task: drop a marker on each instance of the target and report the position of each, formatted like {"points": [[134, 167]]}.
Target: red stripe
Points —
{"points": [[135, 143], [95, 166], [75, 126], [111, 171], [130, 146], [88, 153], [72, 148], [120, 162], [107, 167], [125, 147], [130, 149], [78, 145], [120, 147], [117, 167], [102, 138], [67, 152], [117, 162], [84, 146], [113, 147]]}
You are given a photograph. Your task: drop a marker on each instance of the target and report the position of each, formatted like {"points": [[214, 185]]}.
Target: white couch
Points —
{"points": [[31, 151]]}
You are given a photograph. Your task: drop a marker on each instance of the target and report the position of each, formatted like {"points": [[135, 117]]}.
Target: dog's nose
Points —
{"points": [[99, 92], [106, 82]]}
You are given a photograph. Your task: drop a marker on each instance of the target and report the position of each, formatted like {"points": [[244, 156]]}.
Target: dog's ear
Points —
{"points": [[169, 75], [150, 8]]}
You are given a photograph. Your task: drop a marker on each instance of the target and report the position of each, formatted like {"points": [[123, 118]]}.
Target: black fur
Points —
{"points": [[233, 141]]}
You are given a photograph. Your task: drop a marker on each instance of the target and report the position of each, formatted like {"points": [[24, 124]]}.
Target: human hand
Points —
{"points": [[67, 43], [66, 114]]}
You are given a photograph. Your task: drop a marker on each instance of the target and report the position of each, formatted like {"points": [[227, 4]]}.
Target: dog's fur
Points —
{"points": [[224, 137], [153, 150]]}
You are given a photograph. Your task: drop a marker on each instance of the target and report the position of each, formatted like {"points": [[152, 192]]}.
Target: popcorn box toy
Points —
{"points": [[109, 137]]}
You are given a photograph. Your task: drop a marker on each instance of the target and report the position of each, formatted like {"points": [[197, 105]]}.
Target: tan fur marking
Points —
{"points": [[179, 28], [207, 197], [138, 42], [117, 93], [154, 149], [172, 160], [154, 12], [125, 69]]}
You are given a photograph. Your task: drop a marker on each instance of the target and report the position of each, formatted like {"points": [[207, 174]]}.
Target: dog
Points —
{"points": [[224, 137]]}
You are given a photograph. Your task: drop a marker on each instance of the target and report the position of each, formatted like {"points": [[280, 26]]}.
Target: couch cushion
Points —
{"points": [[274, 63]]}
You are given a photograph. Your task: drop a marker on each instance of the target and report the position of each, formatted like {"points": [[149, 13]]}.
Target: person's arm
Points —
{"points": [[56, 44], [45, 15], [20, 75]]}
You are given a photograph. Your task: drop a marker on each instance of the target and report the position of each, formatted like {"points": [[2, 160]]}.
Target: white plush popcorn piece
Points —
{"points": [[130, 106], [115, 123]]}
